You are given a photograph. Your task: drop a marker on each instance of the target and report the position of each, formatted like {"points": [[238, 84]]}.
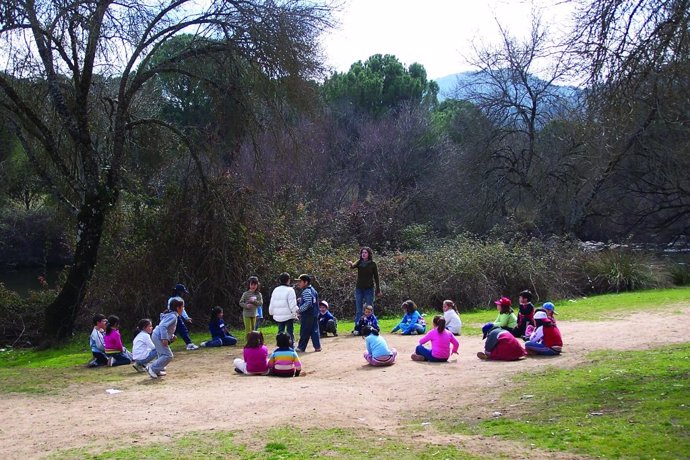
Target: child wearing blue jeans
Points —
{"points": [[219, 333], [412, 322]]}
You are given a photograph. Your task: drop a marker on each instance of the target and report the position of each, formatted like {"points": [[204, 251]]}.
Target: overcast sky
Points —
{"points": [[434, 33]]}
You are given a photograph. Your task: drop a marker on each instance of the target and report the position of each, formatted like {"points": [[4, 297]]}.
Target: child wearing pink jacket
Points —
{"points": [[441, 340]]}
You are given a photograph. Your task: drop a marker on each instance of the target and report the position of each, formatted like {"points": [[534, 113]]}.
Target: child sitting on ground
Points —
{"points": [[97, 343], [412, 322], [219, 333], [284, 361], [525, 313], [453, 323], [378, 353], [327, 322], [506, 319], [143, 349], [255, 356], [118, 355], [367, 319], [500, 344], [440, 339], [546, 339], [550, 310]]}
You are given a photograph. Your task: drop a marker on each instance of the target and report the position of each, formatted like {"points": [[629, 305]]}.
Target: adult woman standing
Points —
{"points": [[367, 281]]}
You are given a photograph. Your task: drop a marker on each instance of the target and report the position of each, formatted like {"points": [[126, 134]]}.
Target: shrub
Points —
{"points": [[22, 318], [622, 270], [680, 274]]}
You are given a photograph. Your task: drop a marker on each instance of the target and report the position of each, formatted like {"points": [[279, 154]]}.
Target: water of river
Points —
{"points": [[22, 280]]}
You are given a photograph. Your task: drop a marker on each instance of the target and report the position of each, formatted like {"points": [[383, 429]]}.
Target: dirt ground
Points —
{"points": [[201, 392]]}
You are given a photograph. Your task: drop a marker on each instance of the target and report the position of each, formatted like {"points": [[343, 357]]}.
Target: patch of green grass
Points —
{"points": [[280, 443], [595, 308], [621, 405]]}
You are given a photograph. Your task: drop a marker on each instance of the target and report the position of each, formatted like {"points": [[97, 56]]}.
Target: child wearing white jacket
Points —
{"points": [[143, 349]]}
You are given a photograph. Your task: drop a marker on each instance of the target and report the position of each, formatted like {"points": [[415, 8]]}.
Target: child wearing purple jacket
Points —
{"points": [[441, 339]]}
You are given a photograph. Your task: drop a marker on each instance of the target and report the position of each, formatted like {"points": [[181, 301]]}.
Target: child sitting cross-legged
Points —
{"points": [[378, 353], [546, 339], [284, 361]]}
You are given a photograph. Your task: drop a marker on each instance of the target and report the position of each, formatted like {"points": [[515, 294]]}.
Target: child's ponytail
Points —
{"points": [[141, 325], [440, 323], [112, 321]]}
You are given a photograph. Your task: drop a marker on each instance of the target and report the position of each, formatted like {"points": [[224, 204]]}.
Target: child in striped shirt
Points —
{"points": [[284, 361]]}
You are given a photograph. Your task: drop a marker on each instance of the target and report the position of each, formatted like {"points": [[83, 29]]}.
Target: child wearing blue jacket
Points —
{"points": [[412, 322], [327, 322], [367, 319]]}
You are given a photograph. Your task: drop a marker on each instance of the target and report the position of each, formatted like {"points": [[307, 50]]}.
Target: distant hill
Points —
{"points": [[456, 86]]}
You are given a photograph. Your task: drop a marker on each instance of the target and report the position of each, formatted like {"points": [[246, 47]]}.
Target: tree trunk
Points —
{"points": [[61, 314]]}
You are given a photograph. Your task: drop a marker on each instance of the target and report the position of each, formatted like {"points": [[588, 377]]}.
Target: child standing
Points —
{"points": [[500, 344], [118, 355], [180, 290], [143, 349], [440, 339], [255, 356], [163, 335], [525, 314], [412, 321], [450, 314], [219, 333], [308, 305], [283, 306], [546, 339], [506, 319], [97, 343], [250, 302], [378, 353], [327, 322], [367, 319], [284, 361]]}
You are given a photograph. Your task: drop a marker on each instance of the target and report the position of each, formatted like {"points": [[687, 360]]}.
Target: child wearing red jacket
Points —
{"points": [[546, 339]]}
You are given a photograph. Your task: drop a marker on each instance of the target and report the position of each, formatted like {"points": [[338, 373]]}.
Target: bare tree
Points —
{"points": [[637, 56], [75, 79], [516, 88]]}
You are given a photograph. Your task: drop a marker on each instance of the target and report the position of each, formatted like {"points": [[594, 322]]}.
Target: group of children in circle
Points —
{"points": [[151, 351]]}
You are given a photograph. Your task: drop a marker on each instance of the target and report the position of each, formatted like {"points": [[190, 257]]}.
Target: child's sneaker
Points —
{"points": [[482, 355], [355, 333], [416, 357], [202, 344], [162, 373], [191, 346], [138, 367], [110, 361], [152, 373]]}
